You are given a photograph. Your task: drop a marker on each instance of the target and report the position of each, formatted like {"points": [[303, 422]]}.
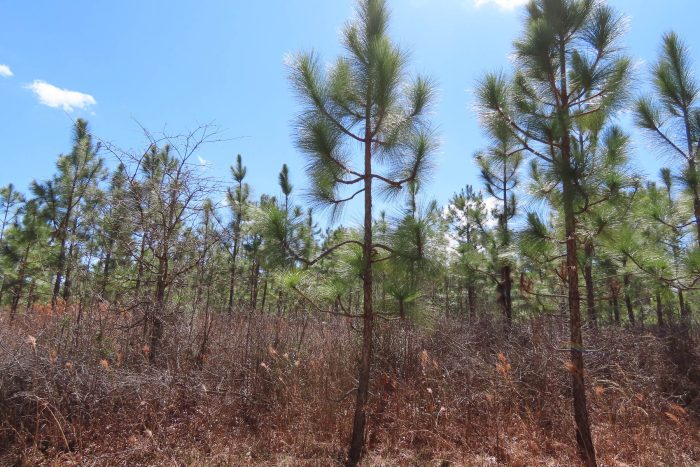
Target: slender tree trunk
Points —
{"points": [[506, 287], [232, 280], [693, 175], [207, 325], [628, 300], [232, 283], [264, 295], [590, 287], [471, 299], [359, 421], [460, 300], [17, 296], [683, 308], [59, 274], [105, 273], [156, 318], [506, 272], [16, 299], [2, 234], [254, 279], [659, 310], [447, 295], [107, 268], [30, 297], [584, 438], [68, 282], [139, 270], [22, 273]]}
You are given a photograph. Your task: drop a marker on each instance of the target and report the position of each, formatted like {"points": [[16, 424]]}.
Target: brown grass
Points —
{"points": [[278, 391]]}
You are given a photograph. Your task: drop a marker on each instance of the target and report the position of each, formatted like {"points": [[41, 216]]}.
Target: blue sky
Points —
{"points": [[179, 63]]}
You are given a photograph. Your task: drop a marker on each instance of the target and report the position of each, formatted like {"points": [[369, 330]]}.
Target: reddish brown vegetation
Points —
{"points": [[456, 392]]}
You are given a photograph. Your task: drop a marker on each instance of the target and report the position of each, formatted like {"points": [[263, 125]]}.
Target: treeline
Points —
{"points": [[562, 224]]}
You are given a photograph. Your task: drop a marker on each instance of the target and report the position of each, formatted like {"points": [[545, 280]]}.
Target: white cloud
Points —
{"points": [[5, 71], [56, 97], [203, 163], [502, 4]]}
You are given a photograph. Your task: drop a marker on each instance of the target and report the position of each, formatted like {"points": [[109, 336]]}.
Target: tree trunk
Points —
{"points": [[506, 292], [105, 273], [59, 274], [201, 356], [693, 176], [447, 295], [359, 421], [584, 438], [15, 300], [139, 271], [31, 297], [628, 300], [156, 318], [17, 295], [590, 288], [68, 282], [232, 281], [659, 310], [2, 235], [106, 269], [254, 279], [685, 318], [264, 296], [471, 299]]}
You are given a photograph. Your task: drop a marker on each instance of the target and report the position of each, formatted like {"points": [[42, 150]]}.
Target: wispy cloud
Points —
{"points": [[203, 163], [56, 97], [502, 4], [5, 71]]}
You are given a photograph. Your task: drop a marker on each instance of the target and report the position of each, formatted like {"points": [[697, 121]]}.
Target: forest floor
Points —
{"points": [[277, 391]]}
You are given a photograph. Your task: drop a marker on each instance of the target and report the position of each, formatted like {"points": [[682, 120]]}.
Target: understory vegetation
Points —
{"points": [[456, 392], [153, 314]]}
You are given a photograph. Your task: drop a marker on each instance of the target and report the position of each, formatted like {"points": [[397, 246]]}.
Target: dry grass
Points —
{"points": [[278, 391]]}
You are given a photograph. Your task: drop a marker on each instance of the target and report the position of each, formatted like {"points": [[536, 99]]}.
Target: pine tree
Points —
{"points": [[671, 117], [115, 228], [237, 199], [362, 100], [24, 253], [499, 171], [467, 215], [11, 202], [62, 198], [569, 67]]}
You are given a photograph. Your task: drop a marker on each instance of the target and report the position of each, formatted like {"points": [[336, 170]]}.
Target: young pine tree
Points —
{"points": [[569, 67], [62, 198], [11, 202], [671, 116], [499, 171], [467, 215], [237, 199], [362, 100]]}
